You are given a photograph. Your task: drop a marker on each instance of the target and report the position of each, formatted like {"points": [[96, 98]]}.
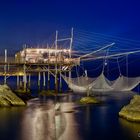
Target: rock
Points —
{"points": [[131, 111], [8, 98], [48, 93], [89, 100]]}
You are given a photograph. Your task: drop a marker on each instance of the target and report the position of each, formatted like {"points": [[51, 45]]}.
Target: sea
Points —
{"points": [[63, 118], [40, 120]]}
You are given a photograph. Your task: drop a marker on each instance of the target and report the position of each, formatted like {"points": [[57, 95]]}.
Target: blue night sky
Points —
{"points": [[34, 21]]}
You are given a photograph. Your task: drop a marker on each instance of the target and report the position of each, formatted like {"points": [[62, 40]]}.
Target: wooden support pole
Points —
{"points": [[48, 83], [60, 84], [44, 79], [24, 79], [20, 82], [39, 78], [56, 82], [17, 81], [25, 82], [56, 71], [29, 80], [71, 43], [70, 74]]}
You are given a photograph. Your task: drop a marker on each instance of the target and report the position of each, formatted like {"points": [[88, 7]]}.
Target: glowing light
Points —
{"points": [[21, 73]]}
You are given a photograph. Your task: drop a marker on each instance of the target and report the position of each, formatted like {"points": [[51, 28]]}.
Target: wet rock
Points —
{"points": [[8, 98], [131, 111], [89, 100]]}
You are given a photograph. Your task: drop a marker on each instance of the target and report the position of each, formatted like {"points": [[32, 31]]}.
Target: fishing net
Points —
{"points": [[101, 83]]}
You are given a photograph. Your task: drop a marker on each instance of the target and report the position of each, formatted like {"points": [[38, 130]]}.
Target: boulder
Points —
{"points": [[131, 111], [8, 98]]}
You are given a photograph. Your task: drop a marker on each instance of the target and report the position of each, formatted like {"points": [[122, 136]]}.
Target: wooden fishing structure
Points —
{"points": [[40, 61], [46, 62]]}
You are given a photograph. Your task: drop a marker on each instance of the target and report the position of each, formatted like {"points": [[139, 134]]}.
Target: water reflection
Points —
{"points": [[40, 121], [131, 129]]}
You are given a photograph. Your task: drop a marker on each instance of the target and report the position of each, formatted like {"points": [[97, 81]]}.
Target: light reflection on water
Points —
{"points": [[130, 129], [40, 121]]}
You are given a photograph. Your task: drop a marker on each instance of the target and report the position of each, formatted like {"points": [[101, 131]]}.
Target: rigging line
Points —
{"points": [[103, 39], [90, 38], [107, 46], [85, 41], [122, 49], [83, 53], [113, 55], [86, 46], [104, 61], [96, 44], [85, 50], [90, 43], [113, 36], [82, 67], [124, 64], [117, 42], [127, 67], [95, 68], [95, 41], [122, 59], [119, 66], [90, 51], [77, 74], [116, 62]]}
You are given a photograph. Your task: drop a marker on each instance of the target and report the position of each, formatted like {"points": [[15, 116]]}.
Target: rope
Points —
{"points": [[107, 46], [107, 36], [119, 67]]}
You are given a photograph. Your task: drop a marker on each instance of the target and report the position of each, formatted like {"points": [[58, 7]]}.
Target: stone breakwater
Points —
{"points": [[8, 98], [131, 111]]}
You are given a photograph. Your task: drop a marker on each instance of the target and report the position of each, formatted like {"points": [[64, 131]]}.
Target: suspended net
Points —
{"points": [[79, 84], [87, 46], [125, 83], [101, 83]]}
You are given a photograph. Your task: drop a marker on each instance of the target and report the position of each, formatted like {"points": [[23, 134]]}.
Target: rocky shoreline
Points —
{"points": [[8, 98], [131, 112]]}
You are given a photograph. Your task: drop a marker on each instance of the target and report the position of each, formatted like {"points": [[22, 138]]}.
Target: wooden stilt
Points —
{"points": [[20, 82], [24, 78], [44, 79], [60, 84], [56, 71], [29, 80], [70, 75], [56, 82], [17, 81], [39, 78], [5, 78], [48, 83]]}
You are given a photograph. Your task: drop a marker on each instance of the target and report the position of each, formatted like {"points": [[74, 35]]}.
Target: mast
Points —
{"points": [[56, 71], [48, 84], [70, 51]]}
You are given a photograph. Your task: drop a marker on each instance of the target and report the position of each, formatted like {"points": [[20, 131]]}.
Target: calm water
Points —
{"points": [[39, 121]]}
